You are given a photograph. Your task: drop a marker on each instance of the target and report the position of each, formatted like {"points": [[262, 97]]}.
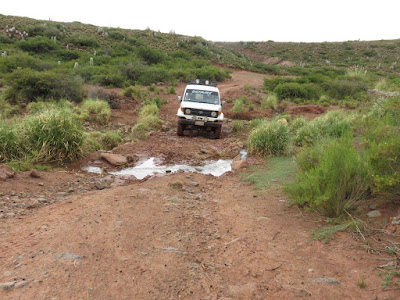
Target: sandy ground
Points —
{"points": [[186, 235]]}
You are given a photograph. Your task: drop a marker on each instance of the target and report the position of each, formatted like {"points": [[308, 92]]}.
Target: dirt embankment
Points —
{"points": [[187, 236]]}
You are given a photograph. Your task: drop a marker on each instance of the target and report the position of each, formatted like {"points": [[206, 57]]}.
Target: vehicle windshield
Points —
{"points": [[201, 96]]}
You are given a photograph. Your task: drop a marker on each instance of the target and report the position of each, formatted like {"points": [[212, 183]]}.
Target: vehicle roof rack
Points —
{"points": [[203, 82]]}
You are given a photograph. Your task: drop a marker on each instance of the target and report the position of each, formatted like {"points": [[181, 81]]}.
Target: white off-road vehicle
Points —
{"points": [[200, 108]]}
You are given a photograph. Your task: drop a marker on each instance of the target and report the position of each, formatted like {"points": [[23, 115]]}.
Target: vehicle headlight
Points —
{"points": [[214, 114], [187, 111]]}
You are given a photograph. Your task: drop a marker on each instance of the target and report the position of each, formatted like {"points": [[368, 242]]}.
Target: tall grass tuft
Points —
{"points": [[271, 101], [238, 106], [333, 124], [52, 135], [96, 110], [148, 120], [271, 138]]}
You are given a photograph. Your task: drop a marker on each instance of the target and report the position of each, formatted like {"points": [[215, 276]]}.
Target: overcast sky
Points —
{"points": [[249, 20]]}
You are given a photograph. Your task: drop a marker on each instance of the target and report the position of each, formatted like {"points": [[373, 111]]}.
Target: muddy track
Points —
{"points": [[187, 236]]}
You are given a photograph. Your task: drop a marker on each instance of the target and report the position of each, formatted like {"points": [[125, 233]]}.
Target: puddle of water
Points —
{"points": [[96, 170], [149, 167], [243, 154]]}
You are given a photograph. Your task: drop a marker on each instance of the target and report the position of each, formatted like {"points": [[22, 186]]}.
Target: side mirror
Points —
{"points": [[223, 102], [179, 98]]}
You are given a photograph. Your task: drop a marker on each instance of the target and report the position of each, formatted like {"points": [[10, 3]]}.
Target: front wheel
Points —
{"points": [[217, 132], [180, 130]]}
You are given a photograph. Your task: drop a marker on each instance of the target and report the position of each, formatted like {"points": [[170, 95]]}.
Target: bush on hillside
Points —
{"points": [[341, 88], [38, 44], [82, 41], [29, 85]]}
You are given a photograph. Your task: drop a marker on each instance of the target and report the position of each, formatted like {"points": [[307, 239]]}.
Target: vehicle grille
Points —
{"points": [[199, 112]]}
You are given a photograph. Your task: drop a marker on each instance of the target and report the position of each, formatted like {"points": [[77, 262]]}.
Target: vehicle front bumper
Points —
{"points": [[184, 121]]}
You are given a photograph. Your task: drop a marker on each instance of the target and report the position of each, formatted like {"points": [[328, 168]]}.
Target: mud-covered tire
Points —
{"points": [[180, 130], [217, 132]]}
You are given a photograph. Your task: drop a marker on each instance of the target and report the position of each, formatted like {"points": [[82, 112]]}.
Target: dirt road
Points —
{"points": [[185, 235]]}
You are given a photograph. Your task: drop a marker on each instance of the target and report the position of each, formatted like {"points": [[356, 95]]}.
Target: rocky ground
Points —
{"points": [[70, 234]]}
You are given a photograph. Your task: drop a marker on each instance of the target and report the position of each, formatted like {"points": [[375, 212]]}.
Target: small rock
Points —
{"points": [[304, 293], [374, 214], [119, 223], [194, 183], [8, 274], [372, 207], [7, 285], [21, 284], [327, 280], [174, 250], [6, 172], [67, 256], [114, 159], [40, 184], [263, 219], [240, 164], [34, 173], [396, 221]]}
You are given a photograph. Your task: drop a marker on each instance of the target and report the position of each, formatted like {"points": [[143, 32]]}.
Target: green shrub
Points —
{"points": [[238, 106], [110, 139], [149, 110], [272, 138], [135, 92], [290, 91], [157, 101], [132, 70], [148, 120], [116, 34], [11, 144], [237, 126], [333, 124], [139, 131], [385, 160], [7, 110], [96, 110], [271, 101], [151, 55], [341, 88], [53, 135], [38, 44], [41, 106], [171, 90], [306, 135], [46, 30], [271, 84], [4, 39], [29, 85], [20, 61], [297, 123], [256, 122], [154, 74], [333, 177], [82, 41]]}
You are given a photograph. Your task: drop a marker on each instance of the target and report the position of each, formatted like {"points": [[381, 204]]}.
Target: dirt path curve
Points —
{"points": [[183, 236]]}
